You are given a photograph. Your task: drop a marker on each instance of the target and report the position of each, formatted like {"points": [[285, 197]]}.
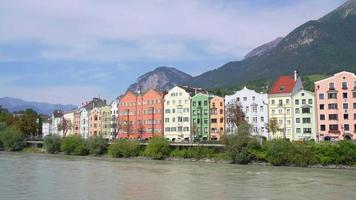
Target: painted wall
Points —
{"points": [[217, 115], [345, 100], [200, 112], [304, 115], [177, 117]]}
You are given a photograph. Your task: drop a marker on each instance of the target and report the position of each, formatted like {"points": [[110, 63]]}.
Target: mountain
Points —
{"points": [[263, 49], [162, 78], [323, 46], [13, 105]]}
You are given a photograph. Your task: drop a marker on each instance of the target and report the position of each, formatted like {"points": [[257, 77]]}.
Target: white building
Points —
{"points": [[177, 114], [255, 107], [84, 123], [114, 118], [57, 118], [46, 129]]}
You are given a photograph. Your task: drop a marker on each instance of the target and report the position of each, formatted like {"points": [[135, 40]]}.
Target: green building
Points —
{"points": [[200, 116]]}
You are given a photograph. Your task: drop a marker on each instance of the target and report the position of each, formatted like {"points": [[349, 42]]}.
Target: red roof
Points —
{"points": [[284, 84]]}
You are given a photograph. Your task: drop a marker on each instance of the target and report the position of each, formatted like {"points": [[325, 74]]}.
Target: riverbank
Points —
{"points": [[106, 157]]}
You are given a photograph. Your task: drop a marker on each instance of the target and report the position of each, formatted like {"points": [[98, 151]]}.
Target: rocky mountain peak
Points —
{"points": [[161, 78], [263, 49]]}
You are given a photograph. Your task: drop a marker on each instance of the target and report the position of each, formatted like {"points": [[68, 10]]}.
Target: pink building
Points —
{"points": [[336, 107]]}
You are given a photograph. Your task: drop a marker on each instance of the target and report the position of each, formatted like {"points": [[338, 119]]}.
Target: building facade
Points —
{"points": [[69, 120], [106, 121], [177, 114], [336, 107], [255, 107], [114, 125], [141, 115], [76, 125], [84, 123], [46, 129], [304, 116], [95, 122], [57, 118], [200, 112], [217, 117], [281, 106]]}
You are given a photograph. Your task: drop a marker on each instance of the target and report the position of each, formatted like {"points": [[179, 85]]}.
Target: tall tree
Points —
{"points": [[28, 122], [234, 113], [65, 126]]}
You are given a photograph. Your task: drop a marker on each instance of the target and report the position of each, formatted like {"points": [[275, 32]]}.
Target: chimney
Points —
{"points": [[295, 75]]}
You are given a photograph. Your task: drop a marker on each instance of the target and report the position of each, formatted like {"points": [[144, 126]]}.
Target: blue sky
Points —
{"points": [[63, 51]]}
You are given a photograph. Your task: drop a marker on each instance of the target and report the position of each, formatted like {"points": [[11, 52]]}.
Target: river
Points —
{"points": [[41, 176]]}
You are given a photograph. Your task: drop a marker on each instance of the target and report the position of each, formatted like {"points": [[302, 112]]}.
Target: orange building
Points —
{"points": [[217, 112], [141, 115], [94, 122]]}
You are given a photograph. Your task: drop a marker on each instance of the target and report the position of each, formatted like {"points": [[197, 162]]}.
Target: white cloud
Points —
{"points": [[156, 30]]}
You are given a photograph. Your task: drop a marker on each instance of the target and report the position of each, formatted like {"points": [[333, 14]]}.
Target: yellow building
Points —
{"points": [[281, 106]]}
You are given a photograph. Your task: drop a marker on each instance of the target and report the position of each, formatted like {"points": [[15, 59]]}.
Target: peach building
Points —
{"points": [[141, 115], [336, 107], [95, 122], [217, 113], [76, 125]]}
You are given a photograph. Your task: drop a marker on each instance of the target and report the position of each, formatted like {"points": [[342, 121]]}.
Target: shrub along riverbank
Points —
{"points": [[240, 148]]}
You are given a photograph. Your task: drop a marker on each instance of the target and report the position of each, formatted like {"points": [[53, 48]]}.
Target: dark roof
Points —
{"points": [[58, 113], [193, 91], [284, 84], [95, 103]]}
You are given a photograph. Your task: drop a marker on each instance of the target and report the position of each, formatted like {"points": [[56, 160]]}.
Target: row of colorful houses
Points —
{"points": [[185, 114]]}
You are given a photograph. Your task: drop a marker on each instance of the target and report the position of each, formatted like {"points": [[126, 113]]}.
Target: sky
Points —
{"points": [[65, 51]]}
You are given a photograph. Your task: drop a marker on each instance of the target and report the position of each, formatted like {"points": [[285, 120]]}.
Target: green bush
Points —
{"points": [[157, 148], [325, 153], [32, 150], [74, 145], [240, 146], [278, 151], [200, 152], [346, 152], [52, 143], [124, 148], [12, 139], [302, 155], [97, 145]]}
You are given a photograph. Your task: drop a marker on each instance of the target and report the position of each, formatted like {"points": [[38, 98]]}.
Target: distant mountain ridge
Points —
{"points": [[162, 78], [323, 46], [15, 104]]}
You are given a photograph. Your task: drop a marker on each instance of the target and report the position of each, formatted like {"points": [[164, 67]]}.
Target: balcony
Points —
{"points": [[334, 131]]}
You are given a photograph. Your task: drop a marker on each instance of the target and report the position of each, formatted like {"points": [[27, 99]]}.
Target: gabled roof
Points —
{"points": [[284, 84], [335, 75]]}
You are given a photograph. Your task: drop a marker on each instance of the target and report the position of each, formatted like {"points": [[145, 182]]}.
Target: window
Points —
{"points": [[245, 98], [287, 101], [346, 116], [166, 120], [261, 108], [167, 111], [322, 127], [272, 102], [167, 103], [221, 120], [280, 102], [346, 127], [332, 116], [321, 106], [173, 110], [354, 94], [213, 121], [185, 128], [254, 108], [238, 99], [304, 101], [355, 117], [180, 129], [253, 98], [322, 117], [333, 127], [332, 106], [180, 119], [331, 86], [310, 101], [205, 121], [288, 111], [305, 110], [194, 103], [344, 85], [273, 112], [247, 109], [297, 120], [306, 120], [296, 102], [262, 119], [254, 119], [332, 96], [344, 95], [280, 111], [298, 130], [205, 103], [186, 119], [345, 106], [288, 122], [297, 111], [306, 130], [167, 129], [321, 96]]}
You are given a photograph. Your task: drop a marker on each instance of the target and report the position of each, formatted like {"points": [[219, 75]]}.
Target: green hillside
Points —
{"points": [[323, 47]]}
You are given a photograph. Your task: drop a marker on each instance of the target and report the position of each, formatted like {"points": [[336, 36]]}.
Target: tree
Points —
{"points": [[273, 126], [65, 126], [28, 122], [194, 132], [234, 113]]}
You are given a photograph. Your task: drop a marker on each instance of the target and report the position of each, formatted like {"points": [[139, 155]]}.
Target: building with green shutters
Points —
{"points": [[200, 116]]}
